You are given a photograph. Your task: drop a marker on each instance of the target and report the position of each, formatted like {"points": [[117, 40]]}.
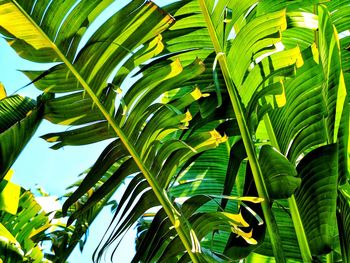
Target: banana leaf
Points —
{"points": [[19, 119]]}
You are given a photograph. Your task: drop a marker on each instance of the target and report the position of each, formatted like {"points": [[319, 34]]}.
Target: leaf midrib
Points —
{"points": [[246, 137], [175, 217]]}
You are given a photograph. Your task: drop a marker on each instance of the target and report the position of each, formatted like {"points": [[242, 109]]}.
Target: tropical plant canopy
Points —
{"points": [[229, 120]]}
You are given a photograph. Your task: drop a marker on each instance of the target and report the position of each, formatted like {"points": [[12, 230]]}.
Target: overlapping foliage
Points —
{"points": [[22, 224], [229, 116]]}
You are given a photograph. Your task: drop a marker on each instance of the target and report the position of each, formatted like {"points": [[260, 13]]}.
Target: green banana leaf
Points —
{"points": [[19, 119], [278, 171], [148, 79], [64, 239], [304, 97], [20, 232], [9, 195], [317, 197], [318, 171], [116, 41]]}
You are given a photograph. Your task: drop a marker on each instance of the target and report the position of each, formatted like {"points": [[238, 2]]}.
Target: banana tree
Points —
{"points": [[259, 72], [137, 107], [263, 79]]}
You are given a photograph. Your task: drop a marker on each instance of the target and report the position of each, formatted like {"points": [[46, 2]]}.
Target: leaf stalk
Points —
{"points": [[294, 211], [174, 216], [247, 140]]}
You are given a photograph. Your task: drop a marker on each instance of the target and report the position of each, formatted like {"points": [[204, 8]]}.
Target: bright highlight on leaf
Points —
{"points": [[342, 94], [4, 233], [231, 131], [2, 91], [237, 219], [315, 53], [187, 118], [247, 236], [70, 121], [215, 135], [240, 198], [9, 196], [196, 247], [196, 93], [23, 28], [9, 174], [281, 98]]}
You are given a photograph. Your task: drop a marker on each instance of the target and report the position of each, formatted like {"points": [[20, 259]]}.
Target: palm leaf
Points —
{"points": [[19, 119], [304, 98], [278, 171], [318, 127], [103, 39], [20, 233], [253, 76], [318, 171], [137, 104], [341, 22], [235, 76], [64, 239]]}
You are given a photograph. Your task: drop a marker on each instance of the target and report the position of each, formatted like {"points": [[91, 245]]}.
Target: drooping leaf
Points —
{"points": [[278, 171], [236, 247], [93, 64], [9, 196], [158, 131], [20, 232], [335, 89], [19, 119], [301, 120], [317, 197], [237, 155]]}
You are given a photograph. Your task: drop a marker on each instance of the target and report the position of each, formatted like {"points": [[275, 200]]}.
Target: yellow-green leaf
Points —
{"points": [[9, 196]]}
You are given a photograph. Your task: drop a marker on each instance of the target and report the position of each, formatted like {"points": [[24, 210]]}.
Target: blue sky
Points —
{"points": [[54, 170]]}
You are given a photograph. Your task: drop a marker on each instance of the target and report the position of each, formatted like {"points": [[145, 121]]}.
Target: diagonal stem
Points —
{"points": [[174, 215], [294, 211], [246, 137]]}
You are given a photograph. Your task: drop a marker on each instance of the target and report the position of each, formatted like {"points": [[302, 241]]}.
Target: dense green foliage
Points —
{"points": [[231, 118]]}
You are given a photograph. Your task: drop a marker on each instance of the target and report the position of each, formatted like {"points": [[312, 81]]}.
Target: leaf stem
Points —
{"points": [[175, 217], [294, 211], [247, 140], [299, 230], [330, 257]]}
